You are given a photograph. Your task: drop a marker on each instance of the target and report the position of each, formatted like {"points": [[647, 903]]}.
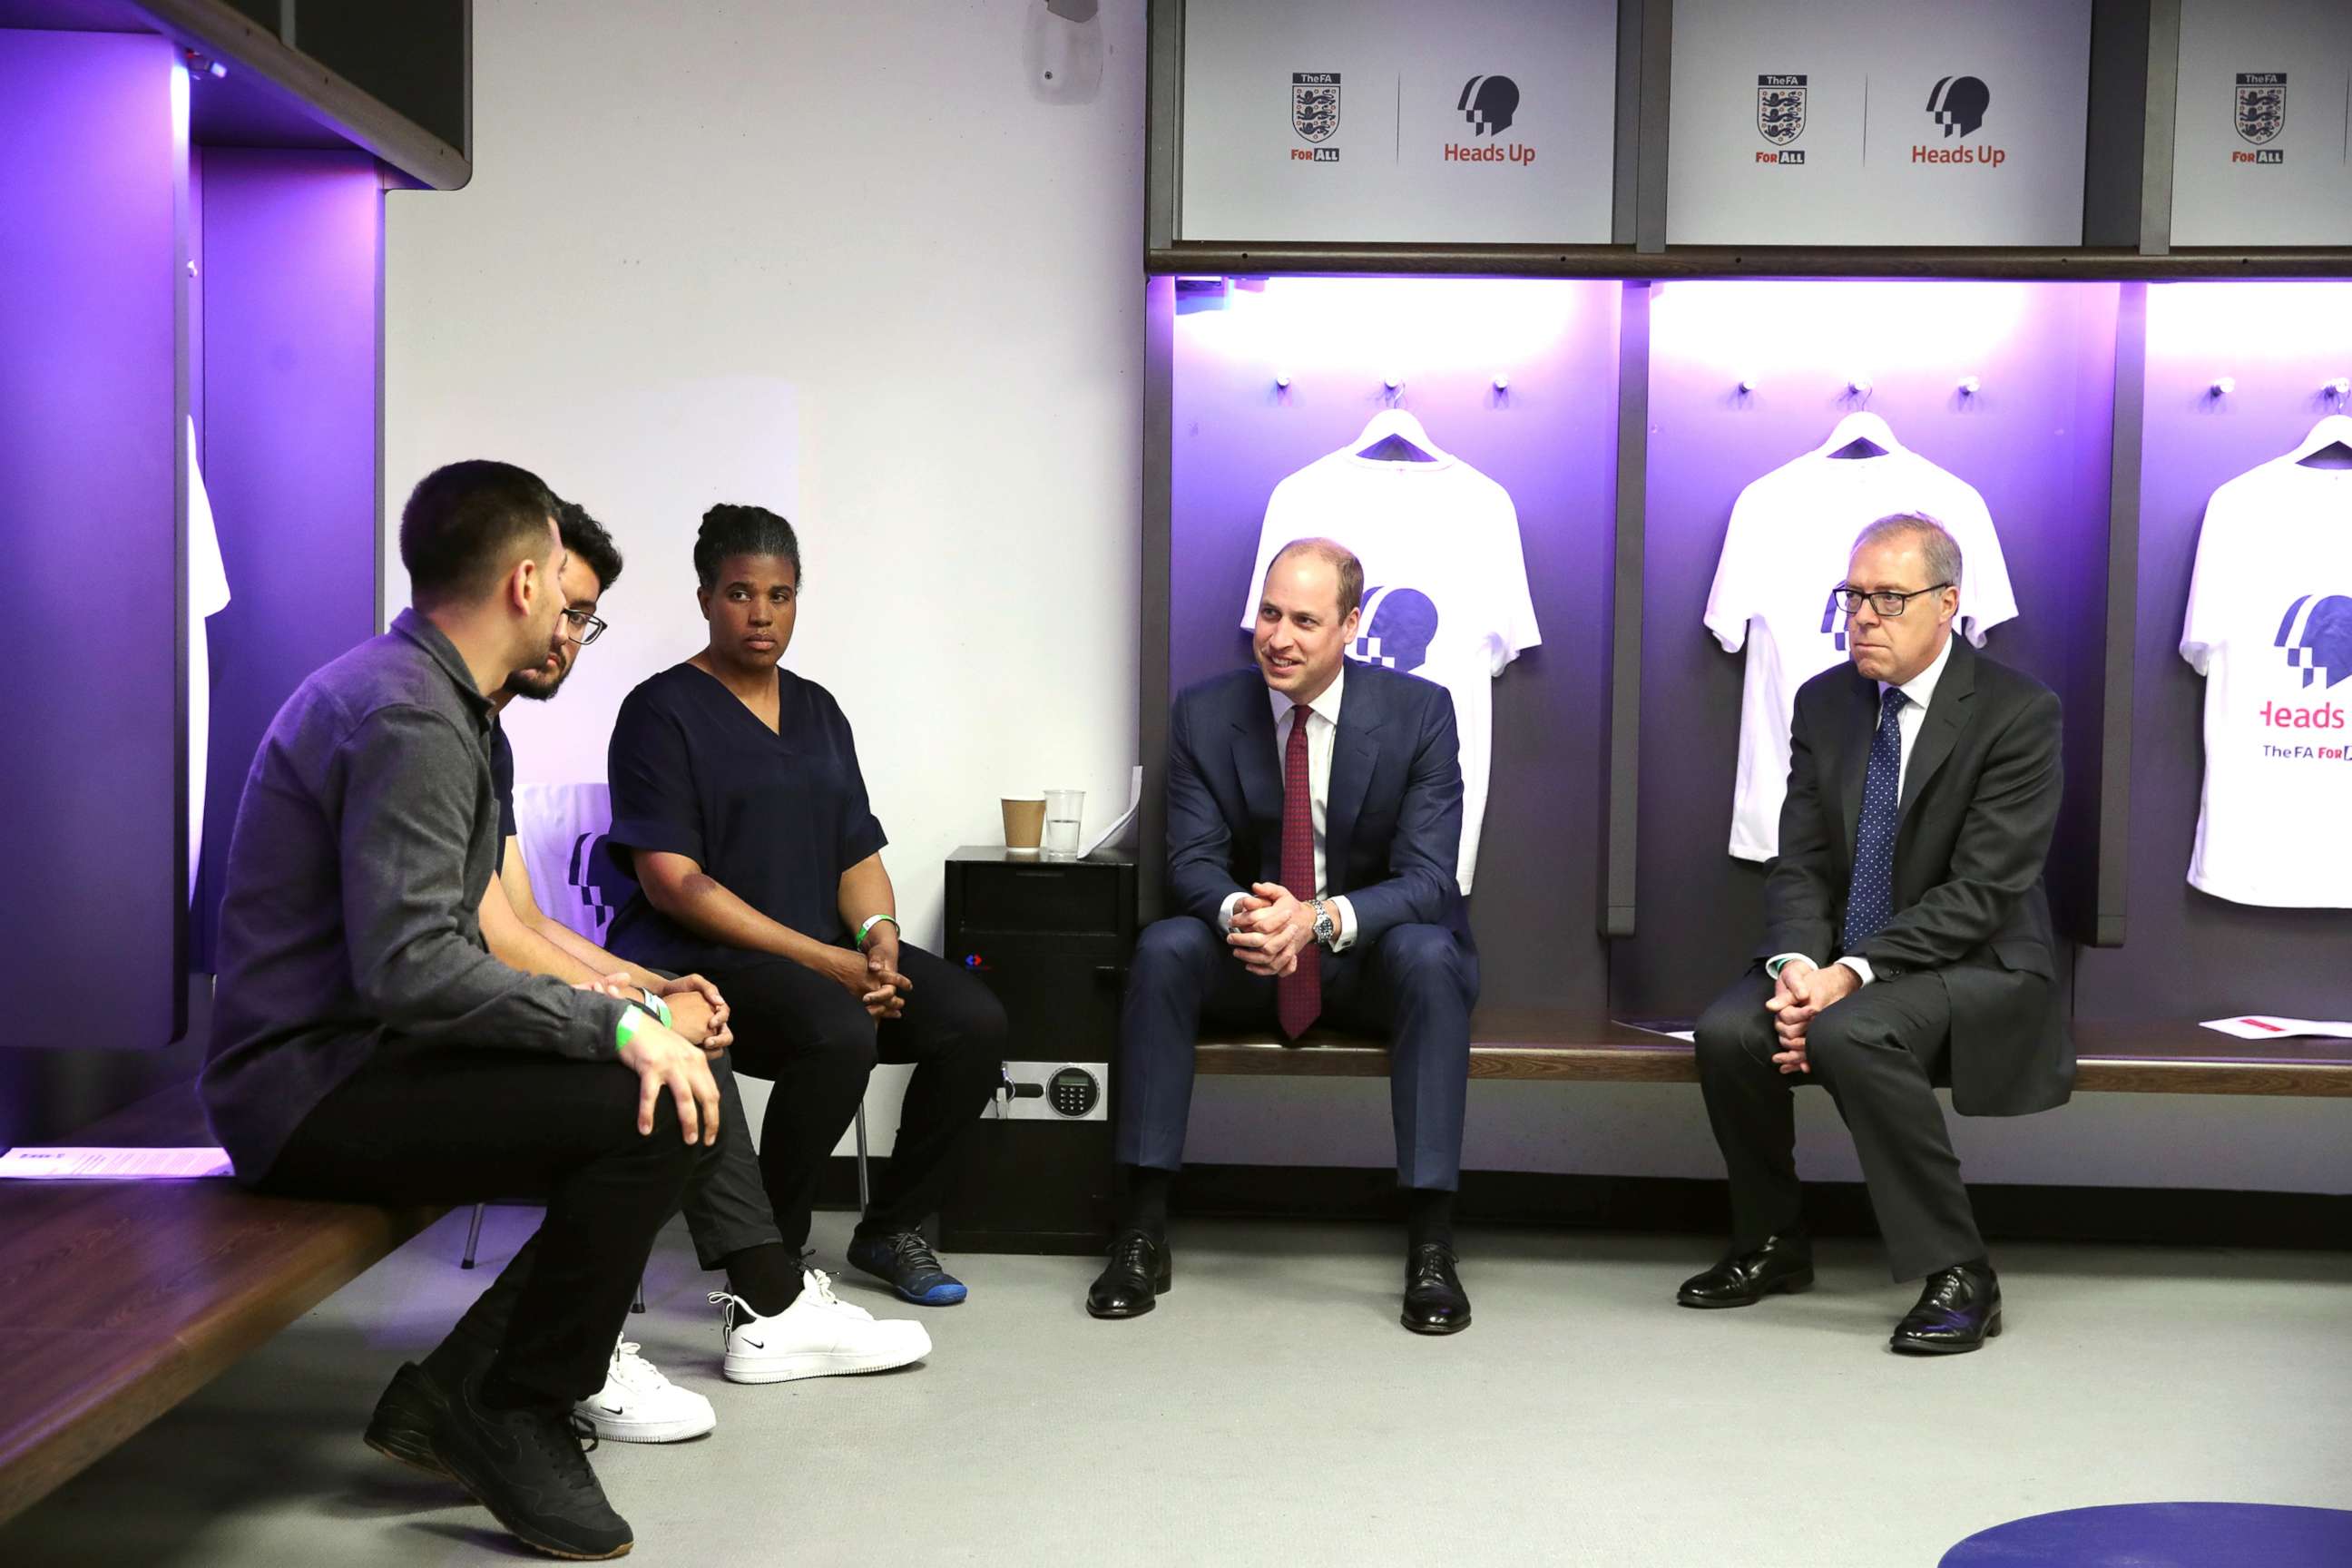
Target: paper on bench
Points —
{"points": [[2264, 1026], [111, 1164]]}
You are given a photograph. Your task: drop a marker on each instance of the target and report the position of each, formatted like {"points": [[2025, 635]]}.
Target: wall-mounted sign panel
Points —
{"points": [[1863, 122], [1381, 121], [2261, 149]]}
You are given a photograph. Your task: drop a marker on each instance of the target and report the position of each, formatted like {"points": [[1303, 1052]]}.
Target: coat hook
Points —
{"points": [[2224, 384], [1859, 386], [2339, 389], [1502, 381], [1748, 383], [1970, 385], [1282, 380]]}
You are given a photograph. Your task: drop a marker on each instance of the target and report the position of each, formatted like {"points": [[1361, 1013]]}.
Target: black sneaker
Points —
{"points": [[402, 1426], [907, 1265], [529, 1468]]}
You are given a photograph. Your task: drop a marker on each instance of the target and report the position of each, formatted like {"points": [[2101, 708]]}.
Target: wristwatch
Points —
{"points": [[1327, 929]]}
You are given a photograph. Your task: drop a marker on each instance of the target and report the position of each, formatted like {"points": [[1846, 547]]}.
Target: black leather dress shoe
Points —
{"points": [[1959, 1310], [1129, 1285], [1434, 1302], [1782, 1263]]}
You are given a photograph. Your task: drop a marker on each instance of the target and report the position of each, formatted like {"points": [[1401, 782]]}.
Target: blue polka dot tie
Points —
{"points": [[1870, 896]]}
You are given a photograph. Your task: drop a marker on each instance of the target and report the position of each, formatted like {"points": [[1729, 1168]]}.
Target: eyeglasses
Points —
{"points": [[1885, 601], [585, 629]]}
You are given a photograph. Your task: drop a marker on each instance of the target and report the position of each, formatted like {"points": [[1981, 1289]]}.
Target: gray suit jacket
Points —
{"points": [[1979, 801]]}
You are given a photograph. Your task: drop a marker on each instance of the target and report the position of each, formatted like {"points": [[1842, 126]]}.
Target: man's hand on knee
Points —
{"points": [[1800, 994], [665, 1063]]}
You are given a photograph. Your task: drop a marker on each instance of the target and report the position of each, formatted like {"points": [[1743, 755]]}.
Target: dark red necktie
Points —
{"points": [[1299, 995]]}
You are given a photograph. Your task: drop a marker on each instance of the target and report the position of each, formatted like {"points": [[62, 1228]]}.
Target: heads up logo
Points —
{"points": [[1958, 103], [1487, 102], [1399, 625], [2316, 635], [1833, 619]]}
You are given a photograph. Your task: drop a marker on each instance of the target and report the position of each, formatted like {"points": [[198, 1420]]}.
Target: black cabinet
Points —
{"points": [[1051, 938]]}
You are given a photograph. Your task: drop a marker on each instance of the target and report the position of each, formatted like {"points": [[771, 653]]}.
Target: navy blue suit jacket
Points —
{"points": [[1392, 824]]}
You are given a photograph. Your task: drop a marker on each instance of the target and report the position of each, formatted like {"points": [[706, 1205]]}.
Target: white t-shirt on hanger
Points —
{"points": [[1445, 584], [2270, 628], [1791, 534], [207, 596]]}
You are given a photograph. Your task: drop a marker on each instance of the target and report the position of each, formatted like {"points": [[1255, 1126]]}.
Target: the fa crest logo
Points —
{"points": [[2261, 108], [1780, 108], [1315, 104]]}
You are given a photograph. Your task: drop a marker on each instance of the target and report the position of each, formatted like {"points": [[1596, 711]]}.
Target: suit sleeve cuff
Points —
{"points": [[1861, 966], [1346, 914], [1225, 913], [1773, 965]]}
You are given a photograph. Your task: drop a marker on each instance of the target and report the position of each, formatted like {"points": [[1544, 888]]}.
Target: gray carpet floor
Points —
{"points": [[1272, 1412]]}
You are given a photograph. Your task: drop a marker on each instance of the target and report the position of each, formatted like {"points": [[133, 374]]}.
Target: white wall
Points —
{"points": [[844, 262], [838, 261]]}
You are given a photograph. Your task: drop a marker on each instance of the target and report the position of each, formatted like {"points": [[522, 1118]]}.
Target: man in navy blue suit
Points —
{"points": [[1314, 813]]}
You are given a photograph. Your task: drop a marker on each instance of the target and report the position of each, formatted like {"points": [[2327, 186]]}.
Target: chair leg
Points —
{"points": [[473, 1236], [865, 1192], [639, 1304]]}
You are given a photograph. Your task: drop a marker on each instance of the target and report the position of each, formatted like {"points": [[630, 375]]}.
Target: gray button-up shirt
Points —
{"points": [[351, 922]]}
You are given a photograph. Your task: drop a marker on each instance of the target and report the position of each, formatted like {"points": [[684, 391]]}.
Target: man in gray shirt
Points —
{"points": [[367, 1047]]}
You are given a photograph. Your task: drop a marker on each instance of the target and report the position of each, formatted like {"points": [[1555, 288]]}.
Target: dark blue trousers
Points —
{"points": [[1413, 986]]}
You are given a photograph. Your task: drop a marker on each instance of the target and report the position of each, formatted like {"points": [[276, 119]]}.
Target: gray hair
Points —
{"points": [[1338, 557], [1936, 543]]}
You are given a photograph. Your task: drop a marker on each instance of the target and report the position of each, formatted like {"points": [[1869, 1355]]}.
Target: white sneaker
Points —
{"points": [[638, 1405], [819, 1335]]}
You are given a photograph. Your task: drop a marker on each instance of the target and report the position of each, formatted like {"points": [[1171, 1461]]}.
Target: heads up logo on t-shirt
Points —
{"points": [[2316, 633], [599, 878], [1398, 627], [1958, 103], [1833, 620]]}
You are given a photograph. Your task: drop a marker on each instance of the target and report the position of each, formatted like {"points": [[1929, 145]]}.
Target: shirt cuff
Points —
{"points": [[1861, 966], [1345, 912], [1773, 964], [1225, 913]]}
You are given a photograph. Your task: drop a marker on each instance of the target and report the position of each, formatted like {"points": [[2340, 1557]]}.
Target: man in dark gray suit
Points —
{"points": [[1907, 943]]}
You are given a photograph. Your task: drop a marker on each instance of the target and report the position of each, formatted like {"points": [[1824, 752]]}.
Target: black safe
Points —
{"points": [[1051, 939]]}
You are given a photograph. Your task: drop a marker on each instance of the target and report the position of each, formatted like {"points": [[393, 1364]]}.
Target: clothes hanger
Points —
{"points": [[1393, 435], [1861, 433], [2329, 445]]}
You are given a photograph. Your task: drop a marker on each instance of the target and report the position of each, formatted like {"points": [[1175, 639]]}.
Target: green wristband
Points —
{"points": [[660, 1008], [867, 928], [633, 1018]]}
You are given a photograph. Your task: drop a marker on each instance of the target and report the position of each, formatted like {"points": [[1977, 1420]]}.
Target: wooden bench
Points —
{"points": [[124, 1297], [1552, 1046]]}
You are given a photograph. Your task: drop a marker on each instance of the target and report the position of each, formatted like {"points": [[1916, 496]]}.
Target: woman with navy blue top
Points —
{"points": [[759, 862]]}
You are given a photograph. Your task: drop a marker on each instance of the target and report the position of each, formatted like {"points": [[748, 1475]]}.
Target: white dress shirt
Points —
{"points": [[1322, 727], [1921, 691]]}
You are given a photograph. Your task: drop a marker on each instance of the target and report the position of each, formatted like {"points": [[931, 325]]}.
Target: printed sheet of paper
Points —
{"points": [[2264, 1026], [111, 1164]]}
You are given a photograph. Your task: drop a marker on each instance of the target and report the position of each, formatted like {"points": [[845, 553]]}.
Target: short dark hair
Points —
{"points": [[1339, 558], [466, 523], [729, 529], [587, 538]]}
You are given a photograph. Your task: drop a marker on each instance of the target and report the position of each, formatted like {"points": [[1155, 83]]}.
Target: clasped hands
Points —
{"points": [[1799, 995], [1270, 930], [697, 1012]]}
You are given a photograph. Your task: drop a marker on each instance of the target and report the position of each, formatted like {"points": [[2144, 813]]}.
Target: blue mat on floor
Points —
{"points": [[2165, 1535]]}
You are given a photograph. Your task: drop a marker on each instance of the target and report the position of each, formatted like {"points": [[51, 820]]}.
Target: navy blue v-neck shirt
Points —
{"points": [[776, 817]]}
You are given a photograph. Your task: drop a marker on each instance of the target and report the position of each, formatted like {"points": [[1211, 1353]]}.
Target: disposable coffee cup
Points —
{"points": [[1024, 823]]}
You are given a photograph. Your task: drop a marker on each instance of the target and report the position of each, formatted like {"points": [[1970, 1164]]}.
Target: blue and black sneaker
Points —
{"points": [[906, 1263]]}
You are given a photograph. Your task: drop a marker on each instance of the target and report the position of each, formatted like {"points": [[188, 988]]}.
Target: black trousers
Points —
{"points": [[726, 1209], [462, 1126], [1878, 1053], [1413, 986], [808, 1035]]}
